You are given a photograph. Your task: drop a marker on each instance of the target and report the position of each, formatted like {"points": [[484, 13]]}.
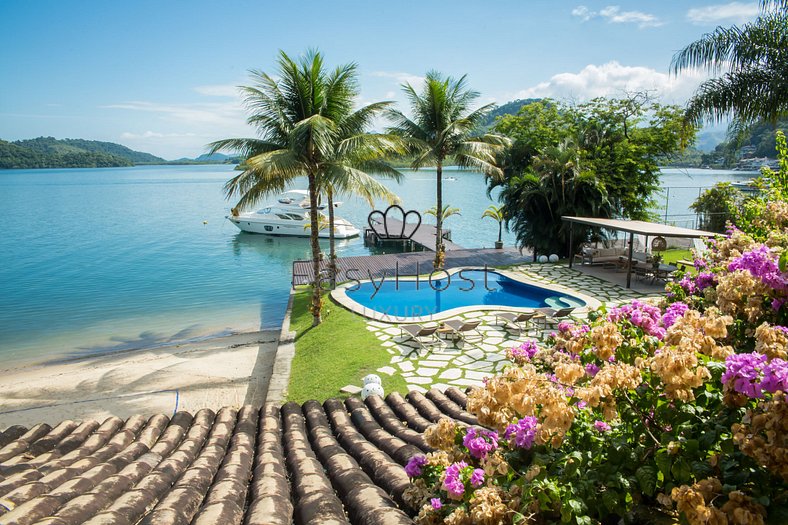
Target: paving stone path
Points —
{"points": [[466, 363]]}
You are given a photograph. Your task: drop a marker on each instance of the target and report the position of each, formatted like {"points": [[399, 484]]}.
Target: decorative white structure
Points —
{"points": [[372, 378], [371, 389], [553, 258], [542, 259]]}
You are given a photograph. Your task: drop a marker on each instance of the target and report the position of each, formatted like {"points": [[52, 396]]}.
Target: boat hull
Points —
{"points": [[289, 230]]}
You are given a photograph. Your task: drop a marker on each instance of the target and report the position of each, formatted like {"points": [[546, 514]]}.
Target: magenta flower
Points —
{"points": [[452, 482], [775, 376], [524, 432], [673, 313], [743, 373], [761, 262], [477, 478], [413, 468], [436, 503], [480, 442], [526, 350], [643, 315], [601, 426], [591, 369]]}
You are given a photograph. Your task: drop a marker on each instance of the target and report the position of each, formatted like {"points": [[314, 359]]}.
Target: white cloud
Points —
{"points": [[199, 113], [735, 12], [614, 15], [583, 13], [400, 77], [613, 79], [218, 90]]}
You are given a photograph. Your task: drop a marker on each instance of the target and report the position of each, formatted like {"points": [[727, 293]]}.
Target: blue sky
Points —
{"points": [[160, 76]]}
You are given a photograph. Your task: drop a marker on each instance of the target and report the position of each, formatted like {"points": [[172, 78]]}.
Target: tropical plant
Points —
{"points": [[495, 213], [754, 62], [306, 127], [447, 212], [717, 206], [595, 159], [442, 127]]}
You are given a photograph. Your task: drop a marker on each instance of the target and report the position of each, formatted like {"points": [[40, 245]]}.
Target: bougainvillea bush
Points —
{"points": [[647, 413]]}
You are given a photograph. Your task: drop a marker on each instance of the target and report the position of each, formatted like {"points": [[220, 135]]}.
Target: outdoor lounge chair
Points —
{"points": [[553, 314], [423, 335], [519, 320], [460, 328]]}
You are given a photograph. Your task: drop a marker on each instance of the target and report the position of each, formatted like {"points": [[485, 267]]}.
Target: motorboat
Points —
{"points": [[289, 215]]}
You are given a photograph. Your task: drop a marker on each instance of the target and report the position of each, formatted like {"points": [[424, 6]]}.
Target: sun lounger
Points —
{"points": [[553, 314], [423, 335], [460, 328], [519, 320]]}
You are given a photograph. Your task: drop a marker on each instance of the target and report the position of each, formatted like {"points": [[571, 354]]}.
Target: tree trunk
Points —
{"points": [[500, 230], [439, 215], [313, 236], [332, 257]]}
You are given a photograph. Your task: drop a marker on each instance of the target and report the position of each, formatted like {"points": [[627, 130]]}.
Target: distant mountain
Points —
{"points": [[510, 108], [49, 152]]}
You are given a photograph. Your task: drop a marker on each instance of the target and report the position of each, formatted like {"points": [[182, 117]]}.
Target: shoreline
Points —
{"points": [[229, 370]]}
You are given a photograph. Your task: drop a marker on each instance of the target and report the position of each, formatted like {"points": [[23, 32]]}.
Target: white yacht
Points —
{"points": [[288, 216]]}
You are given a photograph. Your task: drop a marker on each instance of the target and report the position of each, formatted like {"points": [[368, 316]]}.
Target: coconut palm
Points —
{"points": [[443, 127], [754, 62], [495, 213], [447, 212], [306, 127]]}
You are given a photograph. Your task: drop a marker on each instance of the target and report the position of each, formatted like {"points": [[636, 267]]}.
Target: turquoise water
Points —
{"points": [[103, 260], [442, 292]]}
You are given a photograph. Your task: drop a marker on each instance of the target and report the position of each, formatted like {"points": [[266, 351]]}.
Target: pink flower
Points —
{"points": [[601, 426], [480, 442], [436, 503], [452, 482], [477, 478], [413, 468]]}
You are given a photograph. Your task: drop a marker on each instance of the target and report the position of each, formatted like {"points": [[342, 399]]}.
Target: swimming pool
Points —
{"points": [[446, 294]]}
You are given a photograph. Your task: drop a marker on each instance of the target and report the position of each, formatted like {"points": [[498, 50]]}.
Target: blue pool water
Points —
{"points": [[409, 298]]}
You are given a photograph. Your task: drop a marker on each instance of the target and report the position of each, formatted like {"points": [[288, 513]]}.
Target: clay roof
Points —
{"points": [[339, 462]]}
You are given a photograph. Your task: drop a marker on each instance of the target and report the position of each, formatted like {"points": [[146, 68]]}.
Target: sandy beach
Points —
{"points": [[224, 371]]}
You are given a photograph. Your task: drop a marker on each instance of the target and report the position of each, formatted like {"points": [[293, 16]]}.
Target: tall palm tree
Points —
{"points": [[442, 127], [753, 60], [302, 115]]}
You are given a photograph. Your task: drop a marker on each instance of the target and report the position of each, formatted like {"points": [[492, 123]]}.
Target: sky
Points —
{"points": [[162, 76]]}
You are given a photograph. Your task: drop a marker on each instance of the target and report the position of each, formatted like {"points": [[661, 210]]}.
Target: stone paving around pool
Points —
{"points": [[467, 363]]}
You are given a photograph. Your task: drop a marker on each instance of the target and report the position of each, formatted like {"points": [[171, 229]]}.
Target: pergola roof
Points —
{"points": [[651, 229]]}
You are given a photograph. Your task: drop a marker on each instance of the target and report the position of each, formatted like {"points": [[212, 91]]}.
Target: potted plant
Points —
{"points": [[656, 259], [494, 212]]}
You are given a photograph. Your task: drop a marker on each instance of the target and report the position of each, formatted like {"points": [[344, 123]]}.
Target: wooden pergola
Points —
{"points": [[649, 229]]}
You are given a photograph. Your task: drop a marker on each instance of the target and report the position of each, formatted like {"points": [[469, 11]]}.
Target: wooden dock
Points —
{"points": [[413, 263], [423, 236]]}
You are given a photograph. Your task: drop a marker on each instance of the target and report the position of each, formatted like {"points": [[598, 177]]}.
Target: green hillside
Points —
{"points": [[48, 152]]}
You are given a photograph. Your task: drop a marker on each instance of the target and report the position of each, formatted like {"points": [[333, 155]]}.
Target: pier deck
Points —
{"points": [[412, 263], [424, 235]]}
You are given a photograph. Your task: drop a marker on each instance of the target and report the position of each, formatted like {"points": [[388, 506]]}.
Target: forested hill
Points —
{"points": [[48, 152], [510, 108]]}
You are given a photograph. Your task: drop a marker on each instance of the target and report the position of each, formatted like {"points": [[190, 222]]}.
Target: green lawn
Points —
{"points": [[338, 352], [674, 255]]}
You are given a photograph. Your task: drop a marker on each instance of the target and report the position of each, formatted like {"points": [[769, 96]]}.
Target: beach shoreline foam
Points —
{"points": [[229, 370]]}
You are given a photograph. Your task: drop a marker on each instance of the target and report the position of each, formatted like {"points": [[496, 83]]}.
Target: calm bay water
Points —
{"points": [[103, 260]]}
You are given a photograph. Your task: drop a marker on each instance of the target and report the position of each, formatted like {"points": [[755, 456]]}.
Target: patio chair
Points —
{"points": [[460, 328], [423, 335], [555, 314], [519, 320]]}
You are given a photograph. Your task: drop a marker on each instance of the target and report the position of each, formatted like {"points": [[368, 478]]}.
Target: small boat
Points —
{"points": [[288, 216]]}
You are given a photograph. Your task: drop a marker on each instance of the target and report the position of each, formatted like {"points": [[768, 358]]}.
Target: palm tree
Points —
{"points": [[442, 127], [446, 212], [303, 116], [555, 185], [496, 213], [754, 84]]}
